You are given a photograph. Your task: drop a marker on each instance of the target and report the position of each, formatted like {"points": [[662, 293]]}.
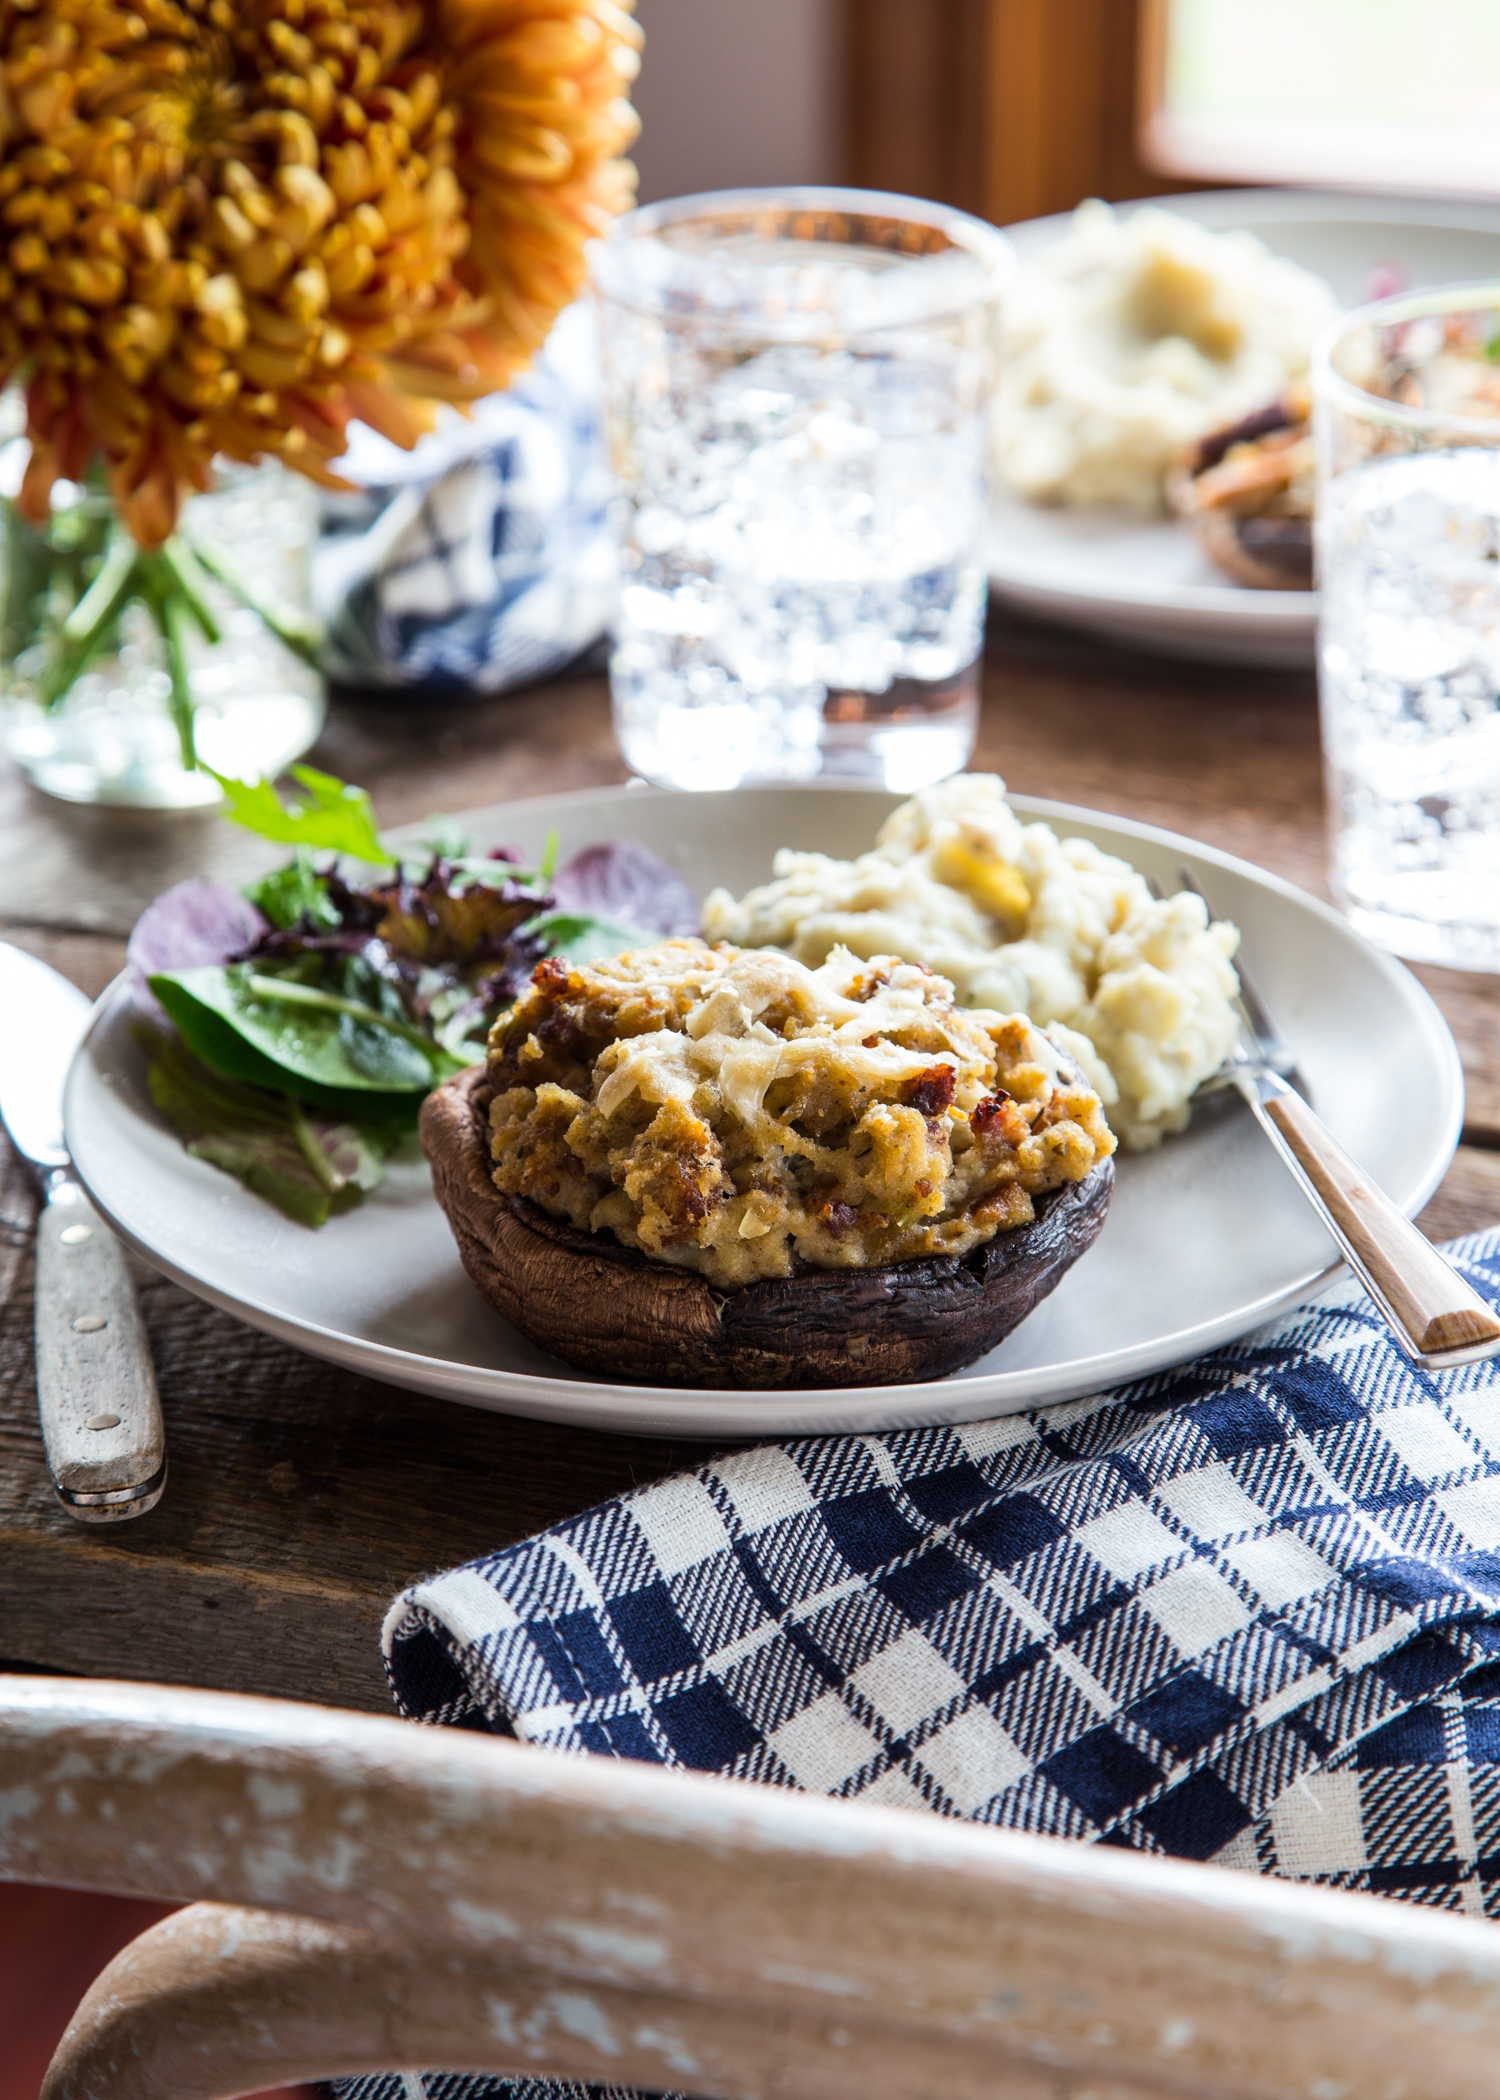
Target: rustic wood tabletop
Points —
{"points": [[303, 1497]]}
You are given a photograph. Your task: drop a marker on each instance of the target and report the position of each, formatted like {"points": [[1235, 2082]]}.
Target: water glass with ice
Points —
{"points": [[1407, 417], [797, 389]]}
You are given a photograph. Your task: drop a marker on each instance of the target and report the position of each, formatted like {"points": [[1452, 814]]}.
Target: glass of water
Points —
{"points": [[797, 388], [1407, 415]]}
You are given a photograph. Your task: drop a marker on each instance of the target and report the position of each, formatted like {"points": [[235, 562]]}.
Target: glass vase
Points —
{"points": [[219, 671]]}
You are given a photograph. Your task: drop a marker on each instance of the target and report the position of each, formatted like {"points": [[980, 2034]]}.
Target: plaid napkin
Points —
{"points": [[484, 558], [1246, 1612]]}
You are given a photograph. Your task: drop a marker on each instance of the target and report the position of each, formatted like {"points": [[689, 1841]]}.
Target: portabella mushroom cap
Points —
{"points": [[1268, 554], [1265, 553], [604, 1307]]}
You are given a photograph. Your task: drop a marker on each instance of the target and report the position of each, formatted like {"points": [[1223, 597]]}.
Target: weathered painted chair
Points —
{"points": [[389, 1896]]}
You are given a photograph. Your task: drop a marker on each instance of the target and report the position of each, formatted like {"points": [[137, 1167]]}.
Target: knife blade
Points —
{"points": [[96, 1388]]}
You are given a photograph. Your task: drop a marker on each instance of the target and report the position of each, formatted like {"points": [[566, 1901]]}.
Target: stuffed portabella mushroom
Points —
{"points": [[713, 1166], [1247, 491]]}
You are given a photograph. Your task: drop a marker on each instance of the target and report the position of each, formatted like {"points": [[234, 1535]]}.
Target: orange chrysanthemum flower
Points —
{"points": [[230, 226]]}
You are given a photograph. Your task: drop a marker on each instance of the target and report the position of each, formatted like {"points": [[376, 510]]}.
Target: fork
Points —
{"points": [[1273, 1045], [1437, 1318]]}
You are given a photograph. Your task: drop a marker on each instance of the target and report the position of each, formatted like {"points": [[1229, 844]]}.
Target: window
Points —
{"points": [[1376, 94]]}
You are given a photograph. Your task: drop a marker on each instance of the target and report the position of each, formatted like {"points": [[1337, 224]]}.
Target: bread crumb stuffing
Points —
{"points": [[747, 1116]]}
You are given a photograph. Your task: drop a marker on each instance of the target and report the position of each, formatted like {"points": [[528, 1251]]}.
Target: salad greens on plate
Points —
{"points": [[294, 1029]]}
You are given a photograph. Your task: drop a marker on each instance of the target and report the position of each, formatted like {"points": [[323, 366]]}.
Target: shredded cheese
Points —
{"points": [[775, 1115]]}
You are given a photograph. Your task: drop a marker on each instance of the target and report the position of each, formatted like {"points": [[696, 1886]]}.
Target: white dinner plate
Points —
{"points": [[1148, 583], [1205, 1238]]}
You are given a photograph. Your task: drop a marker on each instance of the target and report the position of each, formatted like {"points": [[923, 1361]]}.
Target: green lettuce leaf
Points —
{"points": [[584, 937], [306, 1165], [294, 893], [337, 1053], [442, 837], [337, 816]]}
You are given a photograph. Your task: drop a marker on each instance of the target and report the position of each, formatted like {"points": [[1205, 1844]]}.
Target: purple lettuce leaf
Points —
{"points": [[193, 923], [624, 880]]}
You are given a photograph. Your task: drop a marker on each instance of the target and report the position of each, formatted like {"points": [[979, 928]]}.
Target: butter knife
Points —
{"points": [[96, 1389]]}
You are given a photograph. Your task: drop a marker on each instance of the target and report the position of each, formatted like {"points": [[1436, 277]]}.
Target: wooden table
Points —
{"points": [[303, 1497]]}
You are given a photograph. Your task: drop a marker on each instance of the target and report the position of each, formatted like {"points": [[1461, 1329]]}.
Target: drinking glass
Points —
{"points": [[1407, 419], [797, 387]]}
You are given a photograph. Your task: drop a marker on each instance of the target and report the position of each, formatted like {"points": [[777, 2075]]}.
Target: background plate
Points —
{"points": [[1205, 1239], [1147, 583]]}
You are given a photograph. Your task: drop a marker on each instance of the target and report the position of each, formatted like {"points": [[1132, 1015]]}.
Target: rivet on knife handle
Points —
{"points": [[1442, 1319], [96, 1390]]}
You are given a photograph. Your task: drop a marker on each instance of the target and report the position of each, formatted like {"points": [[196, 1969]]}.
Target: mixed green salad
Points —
{"points": [[293, 1029]]}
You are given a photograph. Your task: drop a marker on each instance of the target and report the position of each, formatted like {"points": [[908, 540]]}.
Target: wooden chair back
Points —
{"points": [[368, 1895]]}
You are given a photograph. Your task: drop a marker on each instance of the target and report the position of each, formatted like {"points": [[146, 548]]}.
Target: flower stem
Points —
{"points": [[91, 618], [172, 616], [295, 630], [188, 579]]}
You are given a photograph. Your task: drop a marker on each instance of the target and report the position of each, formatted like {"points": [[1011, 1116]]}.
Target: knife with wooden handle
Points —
{"points": [[96, 1389]]}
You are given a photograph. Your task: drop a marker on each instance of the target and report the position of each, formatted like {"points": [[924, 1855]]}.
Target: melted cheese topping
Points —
{"points": [[746, 1114]]}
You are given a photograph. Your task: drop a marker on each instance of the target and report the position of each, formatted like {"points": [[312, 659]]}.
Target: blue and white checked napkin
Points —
{"points": [[1246, 1612], [484, 558]]}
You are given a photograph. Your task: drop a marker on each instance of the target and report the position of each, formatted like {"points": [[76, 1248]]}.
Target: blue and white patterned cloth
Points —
{"points": [[484, 558], [1246, 1612]]}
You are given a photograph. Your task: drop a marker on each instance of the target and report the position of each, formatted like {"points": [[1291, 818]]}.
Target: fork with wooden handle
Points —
{"points": [[1438, 1319]]}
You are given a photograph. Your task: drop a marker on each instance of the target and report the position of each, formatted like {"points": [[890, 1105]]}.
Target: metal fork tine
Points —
{"points": [[1274, 1047]]}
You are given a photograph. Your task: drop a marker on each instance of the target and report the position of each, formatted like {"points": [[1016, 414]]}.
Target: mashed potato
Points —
{"points": [[1140, 992], [1132, 337]]}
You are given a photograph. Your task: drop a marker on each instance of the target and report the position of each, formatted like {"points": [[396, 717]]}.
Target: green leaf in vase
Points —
{"points": [[307, 1165], [274, 1031]]}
